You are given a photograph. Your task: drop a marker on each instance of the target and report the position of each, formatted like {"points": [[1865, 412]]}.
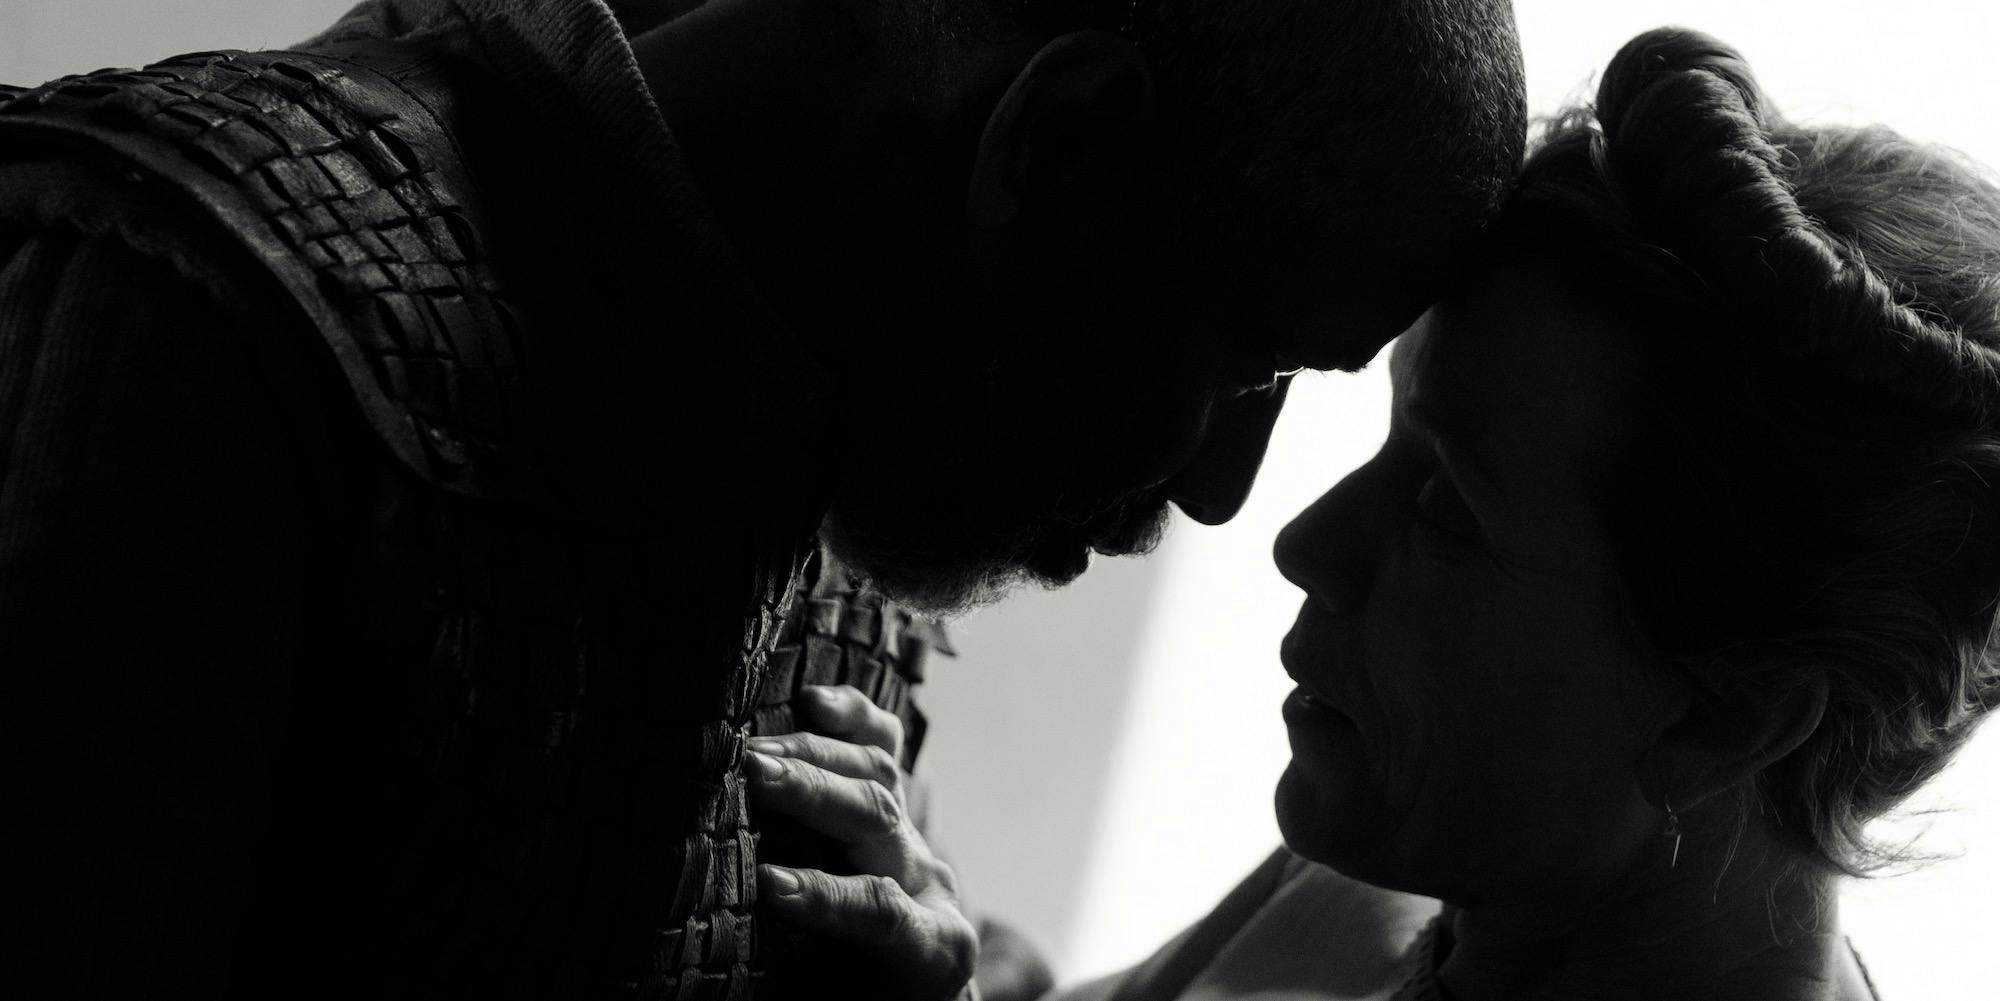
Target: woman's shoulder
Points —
{"points": [[1321, 936], [1293, 930], [1348, 909]]}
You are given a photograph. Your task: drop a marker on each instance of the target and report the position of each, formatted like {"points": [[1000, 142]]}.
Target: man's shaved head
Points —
{"points": [[1398, 123], [1065, 246], [1331, 103]]}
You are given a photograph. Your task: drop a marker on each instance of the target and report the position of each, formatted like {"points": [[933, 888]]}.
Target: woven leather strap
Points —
{"points": [[840, 633], [345, 185], [338, 173], [836, 632]]}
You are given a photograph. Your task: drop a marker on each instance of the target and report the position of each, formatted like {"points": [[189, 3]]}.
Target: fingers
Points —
{"points": [[856, 761], [844, 781], [862, 814], [933, 945], [842, 711], [859, 812]]}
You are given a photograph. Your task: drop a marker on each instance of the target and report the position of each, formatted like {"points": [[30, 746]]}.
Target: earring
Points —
{"points": [[1673, 830]]}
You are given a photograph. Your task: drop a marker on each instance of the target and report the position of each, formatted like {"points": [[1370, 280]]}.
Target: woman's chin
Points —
{"points": [[1309, 817], [1344, 829]]}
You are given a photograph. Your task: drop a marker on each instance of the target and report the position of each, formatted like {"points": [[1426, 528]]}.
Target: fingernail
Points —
{"points": [[766, 767], [784, 881], [765, 745]]}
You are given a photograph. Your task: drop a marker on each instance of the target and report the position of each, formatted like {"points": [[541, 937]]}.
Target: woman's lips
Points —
{"points": [[1302, 707], [1292, 651], [1320, 736]]}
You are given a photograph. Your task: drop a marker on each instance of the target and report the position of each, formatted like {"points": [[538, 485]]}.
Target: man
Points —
{"points": [[409, 446]]}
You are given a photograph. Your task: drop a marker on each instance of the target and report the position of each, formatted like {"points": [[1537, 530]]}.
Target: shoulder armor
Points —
{"points": [[345, 185]]}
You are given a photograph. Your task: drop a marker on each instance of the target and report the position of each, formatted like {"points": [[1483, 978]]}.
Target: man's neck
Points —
{"points": [[1727, 930]]}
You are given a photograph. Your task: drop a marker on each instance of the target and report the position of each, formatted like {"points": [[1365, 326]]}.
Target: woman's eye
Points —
{"points": [[1440, 506]]}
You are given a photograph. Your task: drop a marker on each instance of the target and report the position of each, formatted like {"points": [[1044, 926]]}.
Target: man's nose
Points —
{"points": [[1212, 487]]}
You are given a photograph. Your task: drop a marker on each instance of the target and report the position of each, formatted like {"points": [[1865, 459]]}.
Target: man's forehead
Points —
{"points": [[1337, 343], [1340, 325]]}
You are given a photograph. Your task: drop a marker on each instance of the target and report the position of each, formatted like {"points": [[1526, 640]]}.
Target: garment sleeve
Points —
{"points": [[1169, 971], [150, 577]]}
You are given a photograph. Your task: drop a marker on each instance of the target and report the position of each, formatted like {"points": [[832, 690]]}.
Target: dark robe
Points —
{"points": [[289, 719]]}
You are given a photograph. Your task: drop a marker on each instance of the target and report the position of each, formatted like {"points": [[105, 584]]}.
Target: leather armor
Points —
{"points": [[561, 789]]}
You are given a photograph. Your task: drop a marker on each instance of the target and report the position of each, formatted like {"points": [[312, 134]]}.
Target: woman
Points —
{"points": [[1679, 566]]}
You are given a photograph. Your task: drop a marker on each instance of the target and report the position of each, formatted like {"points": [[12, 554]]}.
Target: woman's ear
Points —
{"points": [[1717, 744], [1063, 153]]}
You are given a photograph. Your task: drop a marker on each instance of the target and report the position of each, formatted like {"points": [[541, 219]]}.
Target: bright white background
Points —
{"points": [[1104, 757]]}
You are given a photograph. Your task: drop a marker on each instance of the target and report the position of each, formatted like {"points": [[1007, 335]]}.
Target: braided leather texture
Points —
{"points": [[565, 811], [837, 632], [354, 197], [841, 633]]}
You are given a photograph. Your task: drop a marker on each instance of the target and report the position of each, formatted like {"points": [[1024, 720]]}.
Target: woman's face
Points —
{"points": [[1468, 722]]}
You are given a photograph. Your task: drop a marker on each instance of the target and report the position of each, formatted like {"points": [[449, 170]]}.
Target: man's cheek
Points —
{"points": [[1156, 436]]}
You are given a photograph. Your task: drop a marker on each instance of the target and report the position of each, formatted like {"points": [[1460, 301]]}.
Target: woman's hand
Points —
{"points": [[842, 780]]}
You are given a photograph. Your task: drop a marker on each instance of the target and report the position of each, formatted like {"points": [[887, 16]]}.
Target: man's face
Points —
{"points": [[1053, 416]]}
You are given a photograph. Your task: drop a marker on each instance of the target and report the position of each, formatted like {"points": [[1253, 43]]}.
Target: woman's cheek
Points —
{"points": [[1414, 666], [1445, 710]]}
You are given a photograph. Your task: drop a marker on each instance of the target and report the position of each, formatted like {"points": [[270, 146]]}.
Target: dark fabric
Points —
{"points": [[496, 748], [345, 185], [153, 532]]}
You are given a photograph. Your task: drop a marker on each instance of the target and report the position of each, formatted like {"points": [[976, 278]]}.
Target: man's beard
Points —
{"points": [[1025, 446], [945, 548], [991, 496]]}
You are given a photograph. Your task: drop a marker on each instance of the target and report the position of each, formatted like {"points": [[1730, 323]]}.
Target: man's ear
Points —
{"points": [[1715, 746], [1061, 157]]}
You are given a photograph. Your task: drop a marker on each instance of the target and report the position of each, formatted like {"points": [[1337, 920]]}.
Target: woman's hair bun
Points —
{"points": [[1806, 487], [1687, 138], [1696, 156]]}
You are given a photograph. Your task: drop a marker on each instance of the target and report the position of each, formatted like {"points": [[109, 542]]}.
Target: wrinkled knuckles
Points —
{"points": [[963, 945], [882, 719], [847, 703], [890, 726], [889, 907], [823, 899], [882, 767], [887, 816], [769, 770], [943, 877], [808, 746], [810, 782]]}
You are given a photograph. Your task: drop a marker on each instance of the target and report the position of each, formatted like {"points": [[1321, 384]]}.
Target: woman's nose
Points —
{"points": [[1333, 549]]}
